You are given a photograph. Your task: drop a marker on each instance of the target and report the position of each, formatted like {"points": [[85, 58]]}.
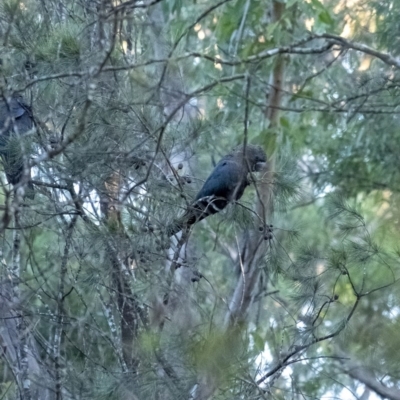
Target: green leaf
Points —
{"points": [[326, 18], [317, 4], [289, 3], [285, 122], [259, 342], [270, 29]]}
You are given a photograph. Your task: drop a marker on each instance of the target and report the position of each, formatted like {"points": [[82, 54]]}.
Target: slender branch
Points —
{"points": [[60, 309], [341, 41], [297, 349], [366, 376], [114, 332]]}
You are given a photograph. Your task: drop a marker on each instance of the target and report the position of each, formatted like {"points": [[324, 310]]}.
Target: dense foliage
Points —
{"points": [[134, 102]]}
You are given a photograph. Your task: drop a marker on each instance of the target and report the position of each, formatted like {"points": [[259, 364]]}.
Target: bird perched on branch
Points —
{"points": [[15, 121], [226, 184]]}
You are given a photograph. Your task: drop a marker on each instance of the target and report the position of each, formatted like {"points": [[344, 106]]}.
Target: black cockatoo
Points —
{"points": [[226, 183], [15, 121]]}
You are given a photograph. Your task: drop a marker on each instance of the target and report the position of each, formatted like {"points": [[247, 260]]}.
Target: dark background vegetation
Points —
{"points": [[134, 102]]}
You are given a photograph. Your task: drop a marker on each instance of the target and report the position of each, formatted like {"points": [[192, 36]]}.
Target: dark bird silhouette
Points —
{"points": [[226, 184], [15, 121]]}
